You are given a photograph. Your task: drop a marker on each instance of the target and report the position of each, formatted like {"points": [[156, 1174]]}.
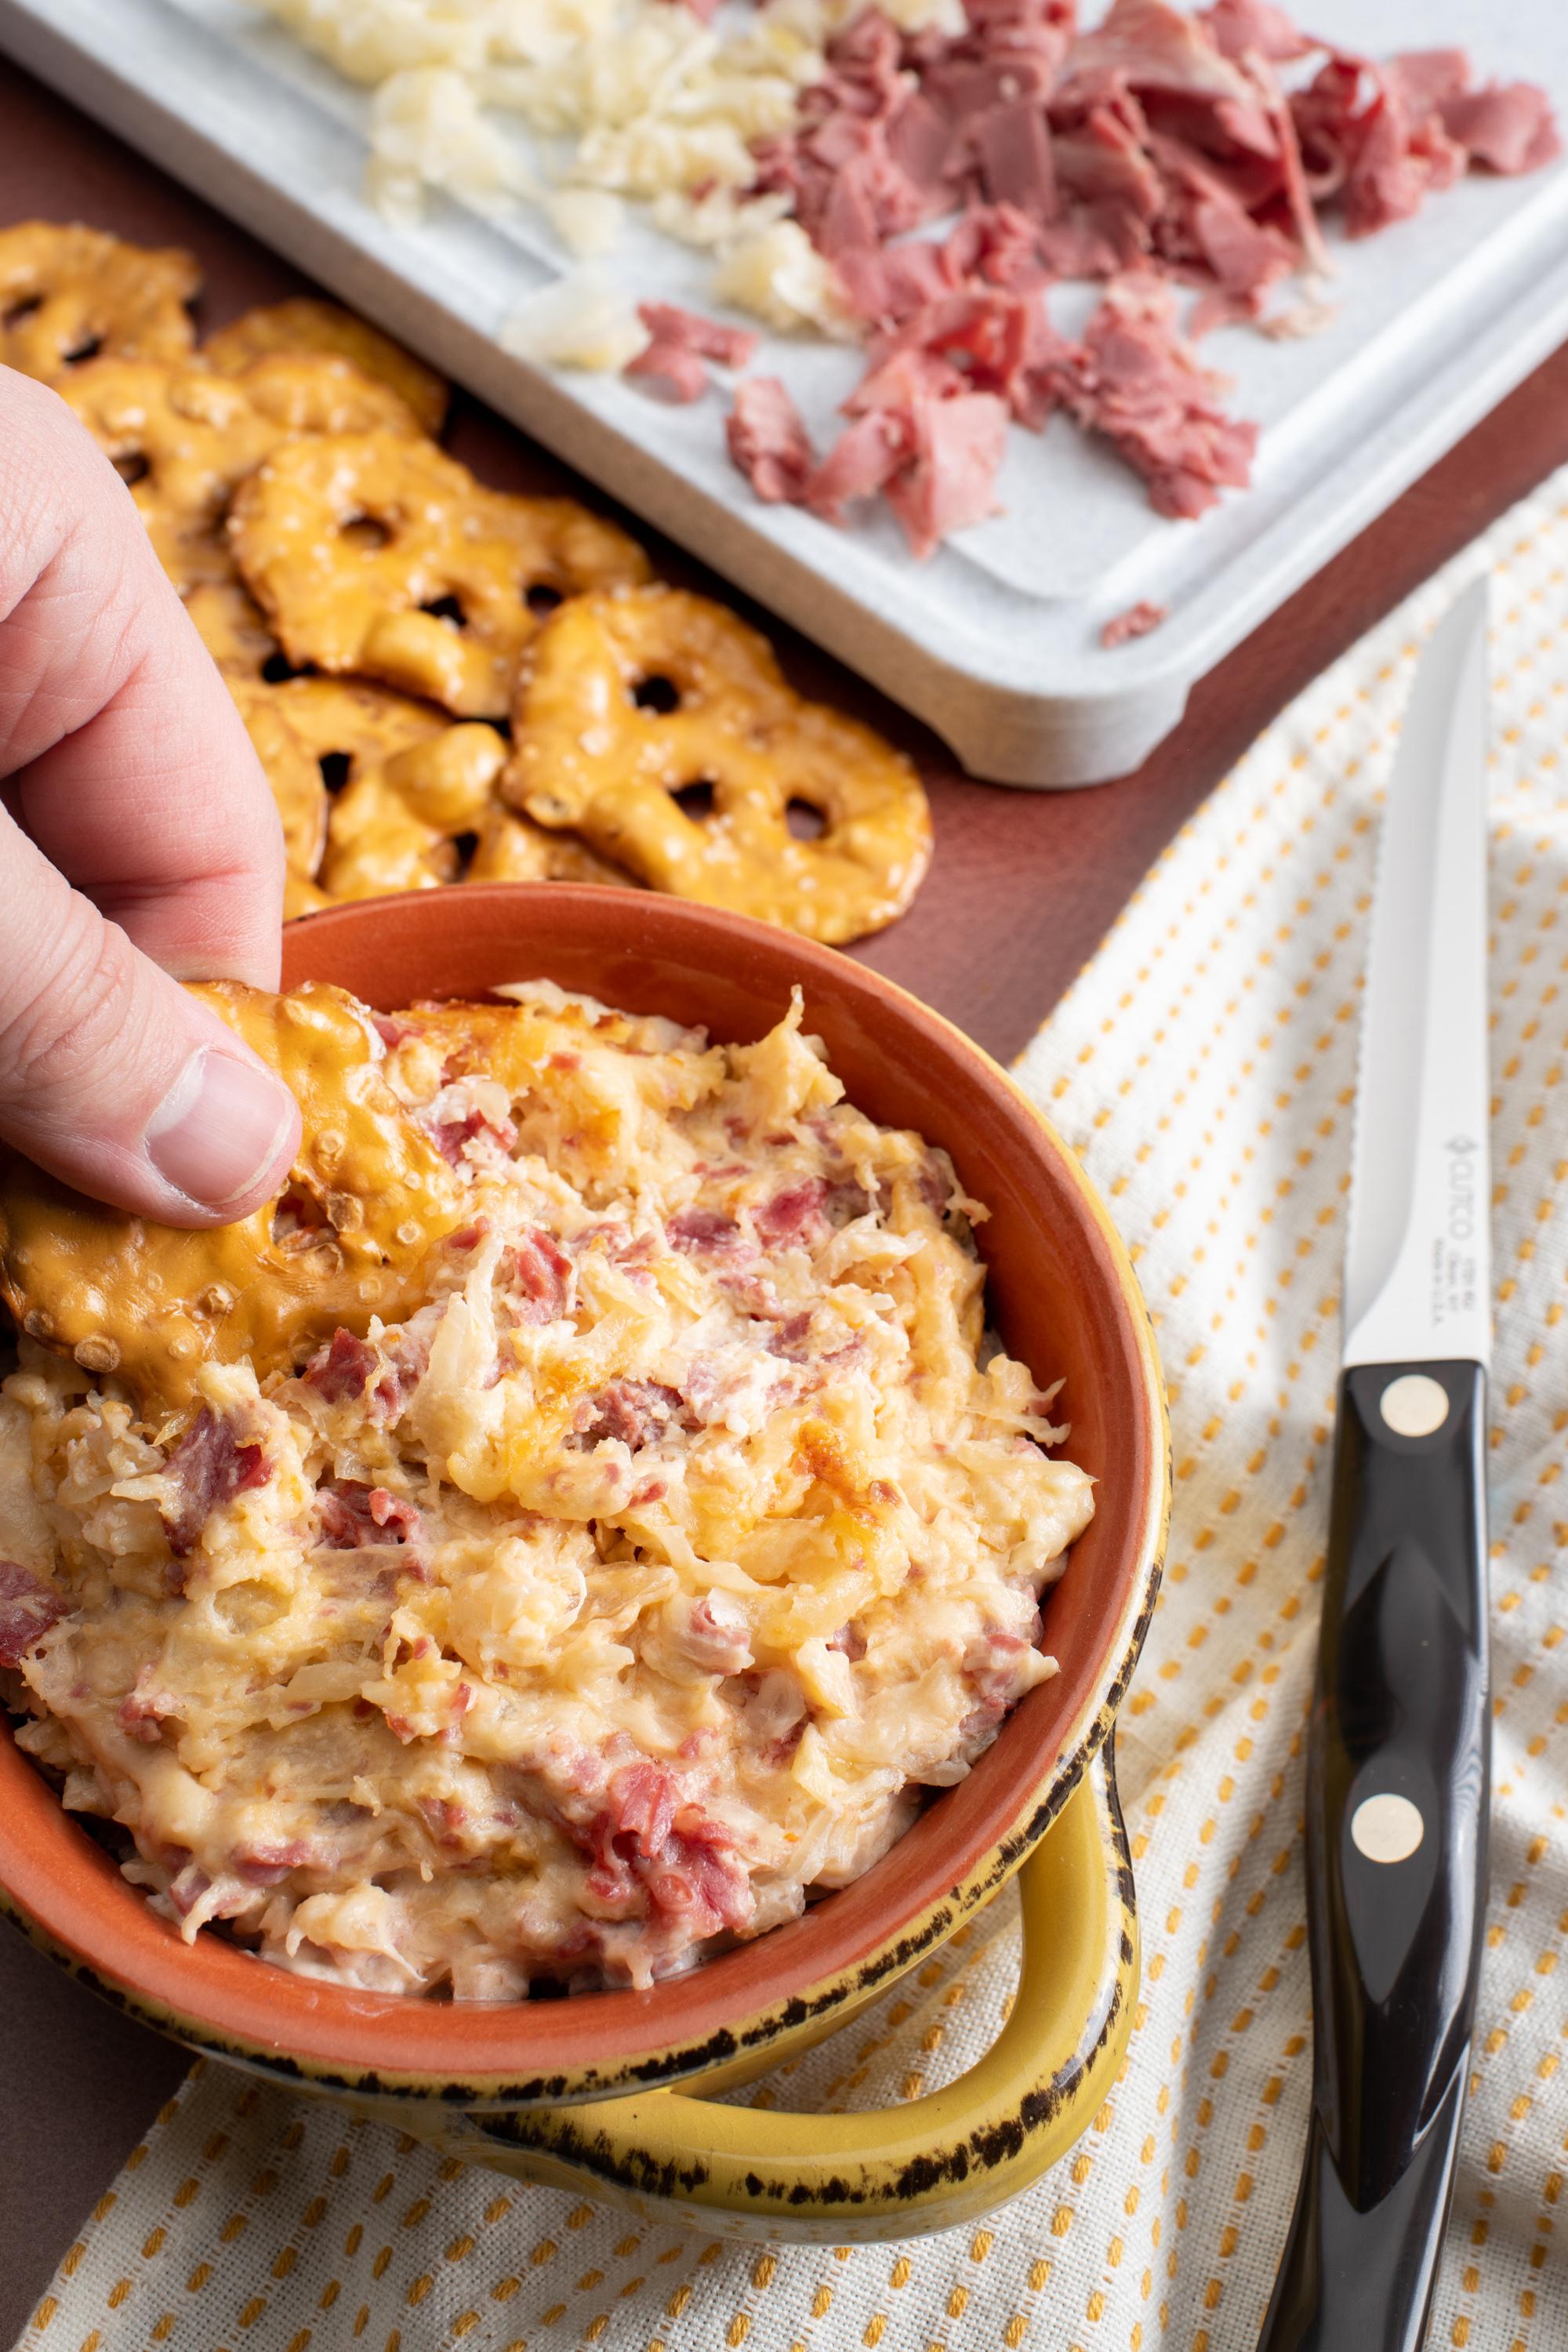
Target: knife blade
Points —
{"points": [[1398, 1745], [1417, 1280]]}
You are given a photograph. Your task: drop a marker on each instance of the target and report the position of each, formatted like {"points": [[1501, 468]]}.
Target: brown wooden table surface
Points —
{"points": [[1023, 887]]}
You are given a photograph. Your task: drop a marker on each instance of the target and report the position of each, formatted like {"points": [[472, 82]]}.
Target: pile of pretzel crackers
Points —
{"points": [[444, 682]]}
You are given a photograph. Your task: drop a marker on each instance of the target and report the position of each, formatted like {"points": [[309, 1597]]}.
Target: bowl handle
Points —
{"points": [[933, 2161]]}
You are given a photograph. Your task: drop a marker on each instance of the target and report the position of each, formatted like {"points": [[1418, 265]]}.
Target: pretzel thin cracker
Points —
{"points": [[70, 295], [305, 324], [388, 560], [184, 438], [295, 776], [627, 699], [367, 1199]]}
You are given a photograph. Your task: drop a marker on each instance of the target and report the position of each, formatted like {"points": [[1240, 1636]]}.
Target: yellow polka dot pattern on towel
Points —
{"points": [[1203, 1068]]}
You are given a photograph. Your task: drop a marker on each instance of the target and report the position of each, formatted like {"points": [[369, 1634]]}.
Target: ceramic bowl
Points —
{"points": [[582, 2090]]}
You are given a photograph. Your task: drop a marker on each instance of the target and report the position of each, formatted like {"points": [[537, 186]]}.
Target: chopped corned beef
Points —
{"points": [[862, 461], [677, 373], [883, 284], [650, 1841], [28, 1607], [270, 1866], [727, 347], [635, 1412], [206, 1469], [339, 1371], [697, 1229], [353, 1514], [1425, 78], [1508, 127], [1136, 621], [794, 1215], [986, 340], [1160, 142], [768, 442], [681, 343], [1143, 387], [143, 1711], [951, 480], [1256, 26], [453, 1136], [997, 245], [538, 1273], [1013, 146]]}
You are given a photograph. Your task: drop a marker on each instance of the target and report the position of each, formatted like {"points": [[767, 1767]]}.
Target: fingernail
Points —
{"points": [[219, 1128]]}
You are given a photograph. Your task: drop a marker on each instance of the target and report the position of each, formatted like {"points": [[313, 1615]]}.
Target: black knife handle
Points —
{"points": [[1400, 1713]]}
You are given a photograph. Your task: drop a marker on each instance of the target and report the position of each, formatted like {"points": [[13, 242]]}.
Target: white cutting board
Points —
{"points": [[994, 642]]}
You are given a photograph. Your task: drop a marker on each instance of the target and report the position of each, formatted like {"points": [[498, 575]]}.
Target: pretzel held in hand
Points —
{"points": [[69, 294], [627, 700], [367, 1199], [388, 559]]}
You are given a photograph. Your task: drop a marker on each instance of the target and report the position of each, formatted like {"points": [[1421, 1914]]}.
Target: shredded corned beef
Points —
{"points": [[768, 442], [951, 478], [699, 1231], [1507, 127], [653, 1849], [1136, 621], [353, 1514], [539, 1272], [28, 1607], [1141, 385], [206, 1469], [635, 1412], [341, 1371], [1159, 144], [680, 345]]}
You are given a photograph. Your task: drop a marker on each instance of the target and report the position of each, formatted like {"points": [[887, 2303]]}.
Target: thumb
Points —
{"points": [[115, 1079]]}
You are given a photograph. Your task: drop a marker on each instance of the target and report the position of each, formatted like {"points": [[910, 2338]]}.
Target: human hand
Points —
{"points": [[139, 846]]}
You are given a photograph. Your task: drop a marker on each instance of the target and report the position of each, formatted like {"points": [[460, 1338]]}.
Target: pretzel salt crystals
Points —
{"points": [[69, 294], [367, 1199], [184, 437], [626, 700], [387, 559], [308, 325]]}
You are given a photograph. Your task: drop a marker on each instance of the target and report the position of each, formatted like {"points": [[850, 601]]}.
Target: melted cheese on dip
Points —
{"points": [[632, 1588]]}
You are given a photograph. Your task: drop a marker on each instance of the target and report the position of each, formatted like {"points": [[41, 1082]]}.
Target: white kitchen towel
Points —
{"points": [[1203, 1066]]}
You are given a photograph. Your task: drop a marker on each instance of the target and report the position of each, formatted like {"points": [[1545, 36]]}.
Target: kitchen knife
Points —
{"points": [[1399, 1740]]}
